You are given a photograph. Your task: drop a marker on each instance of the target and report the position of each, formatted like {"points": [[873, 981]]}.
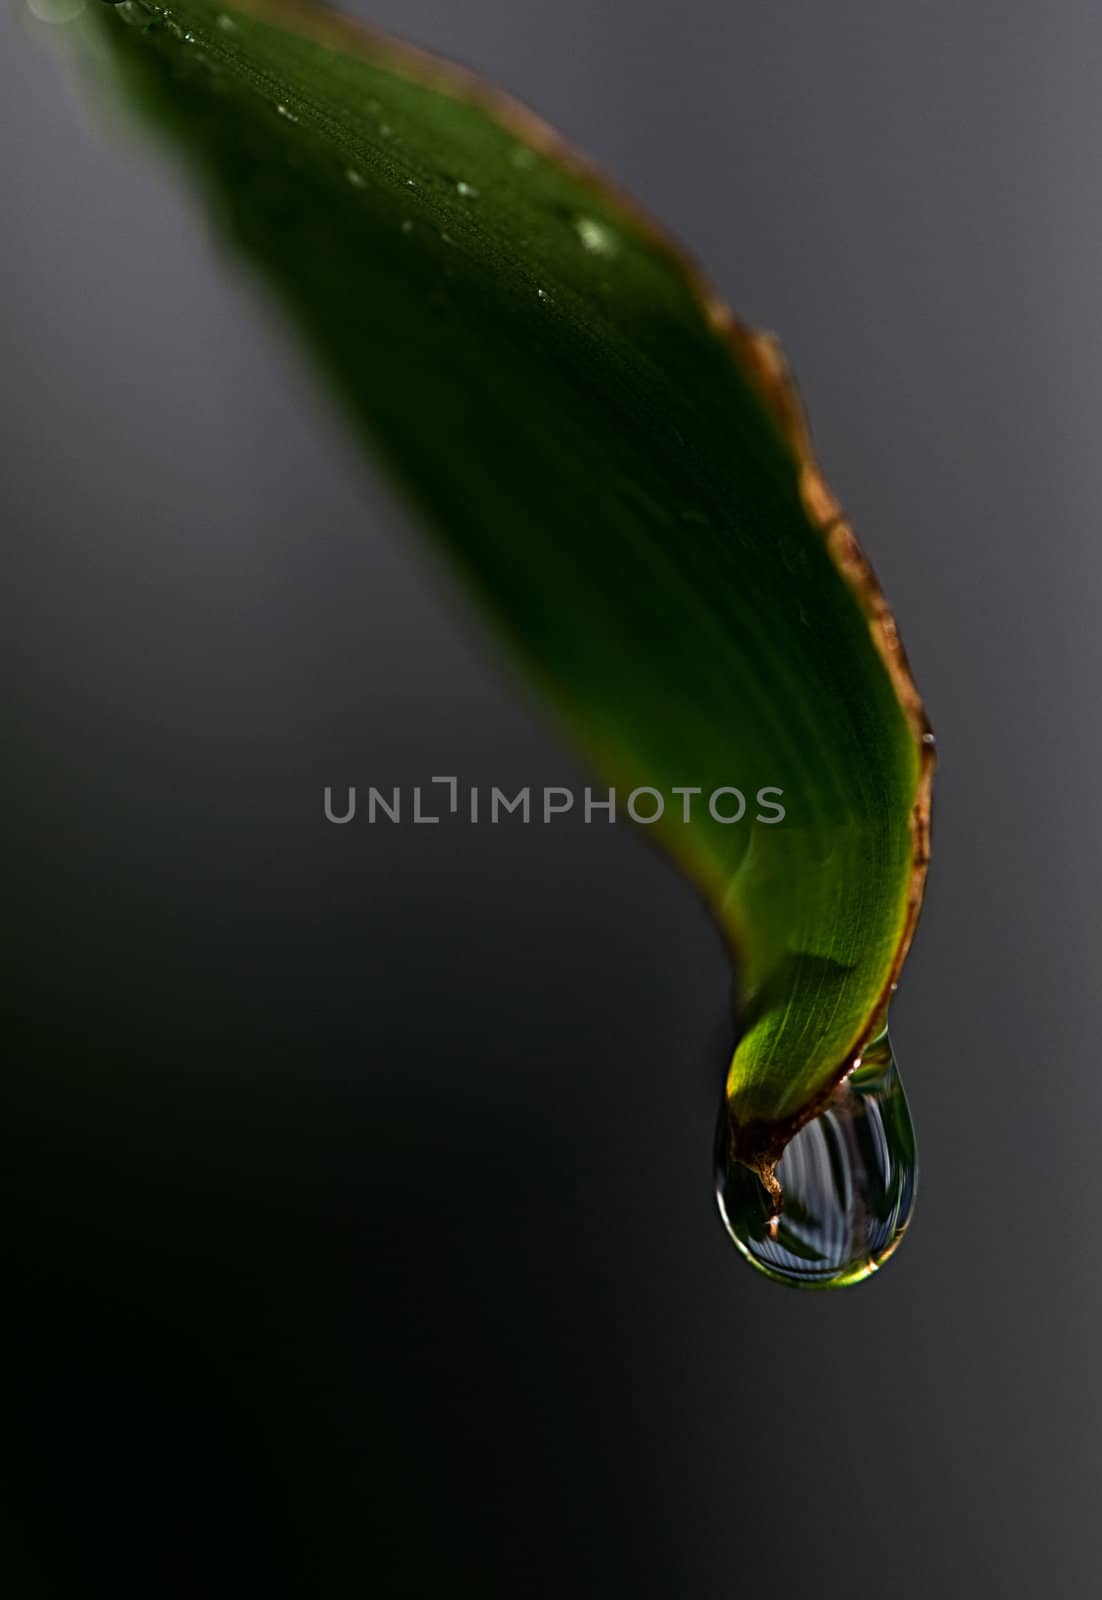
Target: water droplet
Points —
{"points": [[847, 1179], [928, 738], [446, 238], [544, 296], [226, 24], [521, 156], [133, 14], [410, 183], [285, 111], [385, 130], [596, 237], [467, 190], [356, 179], [407, 226]]}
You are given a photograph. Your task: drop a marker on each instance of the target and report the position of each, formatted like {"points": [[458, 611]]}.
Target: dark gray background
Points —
{"points": [[363, 1235]]}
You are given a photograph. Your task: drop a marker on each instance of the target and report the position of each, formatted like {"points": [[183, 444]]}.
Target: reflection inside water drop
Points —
{"points": [[847, 1179]]}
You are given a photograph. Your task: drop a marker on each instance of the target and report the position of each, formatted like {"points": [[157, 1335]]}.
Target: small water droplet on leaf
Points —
{"points": [[596, 237]]}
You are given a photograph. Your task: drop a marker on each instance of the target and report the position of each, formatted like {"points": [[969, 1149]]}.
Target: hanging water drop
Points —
{"points": [[467, 190], [356, 179], [847, 1182]]}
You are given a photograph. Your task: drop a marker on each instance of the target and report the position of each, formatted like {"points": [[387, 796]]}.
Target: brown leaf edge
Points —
{"points": [[762, 360]]}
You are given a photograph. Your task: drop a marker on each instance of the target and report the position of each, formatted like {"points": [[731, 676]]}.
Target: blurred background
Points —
{"points": [[360, 1227]]}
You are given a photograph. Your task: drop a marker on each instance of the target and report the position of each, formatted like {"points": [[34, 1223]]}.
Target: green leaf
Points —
{"points": [[619, 468]]}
